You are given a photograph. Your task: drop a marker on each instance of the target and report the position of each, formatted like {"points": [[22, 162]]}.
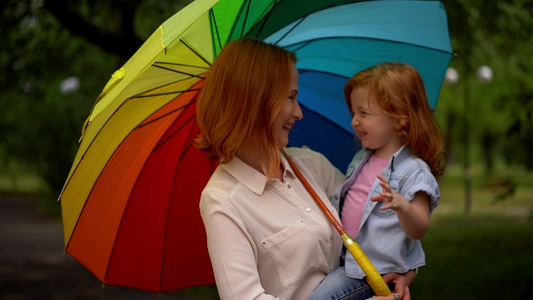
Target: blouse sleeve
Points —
{"points": [[231, 249], [331, 176]]}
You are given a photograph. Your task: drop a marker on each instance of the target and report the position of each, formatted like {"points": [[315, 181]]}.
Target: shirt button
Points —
{"points": [[288, 186], [336, 197], [330, 237], [307, 209]]}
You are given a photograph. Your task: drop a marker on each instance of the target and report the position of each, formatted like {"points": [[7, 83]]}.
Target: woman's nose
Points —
{"points": [[298, 114]]}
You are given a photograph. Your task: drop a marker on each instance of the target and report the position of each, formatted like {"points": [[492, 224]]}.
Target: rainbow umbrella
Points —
{"points": [[130, 201]]}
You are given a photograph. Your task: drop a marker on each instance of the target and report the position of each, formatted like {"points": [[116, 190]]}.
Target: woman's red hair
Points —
{"points": [[242, 94], [400, 92]]}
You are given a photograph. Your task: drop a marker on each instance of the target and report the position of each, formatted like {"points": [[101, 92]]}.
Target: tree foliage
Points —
{"points": [[498, 113], [45, 42]]}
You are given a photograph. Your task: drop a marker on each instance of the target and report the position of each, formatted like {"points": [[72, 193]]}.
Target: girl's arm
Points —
{"points": [[413, 216]]}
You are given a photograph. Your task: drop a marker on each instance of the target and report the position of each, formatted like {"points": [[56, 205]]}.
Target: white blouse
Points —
{"points": [[268, 239]]}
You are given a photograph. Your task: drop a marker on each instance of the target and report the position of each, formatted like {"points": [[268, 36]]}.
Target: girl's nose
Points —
{"points": [[355, 121]]}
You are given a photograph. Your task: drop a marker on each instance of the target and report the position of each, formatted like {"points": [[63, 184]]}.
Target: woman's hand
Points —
{"points": [[395, 296], [401, 286]]}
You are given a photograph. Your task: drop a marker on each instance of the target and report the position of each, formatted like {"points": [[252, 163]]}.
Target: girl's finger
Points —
{"points": [[385, 186], [382, 179], [376, 198]]}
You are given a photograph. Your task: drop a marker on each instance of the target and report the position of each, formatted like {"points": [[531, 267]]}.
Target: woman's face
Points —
{"points": [[289, 113]]}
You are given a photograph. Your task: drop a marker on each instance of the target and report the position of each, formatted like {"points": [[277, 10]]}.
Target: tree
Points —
{"points": [[492, 33]]}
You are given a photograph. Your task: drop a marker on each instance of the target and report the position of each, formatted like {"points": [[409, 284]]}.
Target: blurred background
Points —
{"points": [[56, 56]]}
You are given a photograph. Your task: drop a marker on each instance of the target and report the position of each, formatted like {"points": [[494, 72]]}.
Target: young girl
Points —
{"points": [[391, 189]]}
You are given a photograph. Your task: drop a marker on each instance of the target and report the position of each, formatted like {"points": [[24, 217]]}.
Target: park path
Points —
{"points": [[32, 264]]}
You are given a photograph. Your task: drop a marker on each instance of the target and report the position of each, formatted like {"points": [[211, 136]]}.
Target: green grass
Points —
{"points": [[22, 184], [31, 184], [477, 258], [487, 254]]}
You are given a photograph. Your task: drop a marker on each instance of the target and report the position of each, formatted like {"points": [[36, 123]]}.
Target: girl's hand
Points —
{"points": [[392, 199], [413, 216]]}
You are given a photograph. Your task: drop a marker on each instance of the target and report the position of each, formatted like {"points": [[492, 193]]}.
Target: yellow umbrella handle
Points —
{"points": [[373, 278]]}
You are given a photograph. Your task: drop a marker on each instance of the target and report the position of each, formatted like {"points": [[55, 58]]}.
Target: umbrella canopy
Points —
{"points": [[130, 202], [334, 44]]}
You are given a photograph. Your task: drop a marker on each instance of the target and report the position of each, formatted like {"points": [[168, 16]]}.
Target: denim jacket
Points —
{"points": [[380, 235]]}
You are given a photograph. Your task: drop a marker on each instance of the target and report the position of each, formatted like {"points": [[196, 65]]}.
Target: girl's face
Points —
{"points": [[374, 128], [290, 112]]}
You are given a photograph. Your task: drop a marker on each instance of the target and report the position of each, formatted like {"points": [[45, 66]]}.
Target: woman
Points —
{"points": [[266, 236]]}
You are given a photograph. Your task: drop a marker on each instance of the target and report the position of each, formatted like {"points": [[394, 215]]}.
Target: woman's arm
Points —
{"points": [[231, 252]]}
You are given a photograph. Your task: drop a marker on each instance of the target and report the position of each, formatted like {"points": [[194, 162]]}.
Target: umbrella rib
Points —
{"points": [[163, 94], [195, 52], [176, 71], [166, 114], [178, 129], [302, 45], [249, 2], [178, 64], [265, 19], [186, 148], [309, 41], [212, 14], [290, 30]]}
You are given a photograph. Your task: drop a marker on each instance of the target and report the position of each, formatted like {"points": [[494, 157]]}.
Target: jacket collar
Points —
{"points": [[397, 158]]}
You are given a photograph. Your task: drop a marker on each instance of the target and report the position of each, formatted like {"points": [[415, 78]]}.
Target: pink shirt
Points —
{"points": [[268, 239], [352, 210]]}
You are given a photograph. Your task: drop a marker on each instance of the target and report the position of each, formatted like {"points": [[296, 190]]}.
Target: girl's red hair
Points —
{"points": [[242, 94], [400, 92]]}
